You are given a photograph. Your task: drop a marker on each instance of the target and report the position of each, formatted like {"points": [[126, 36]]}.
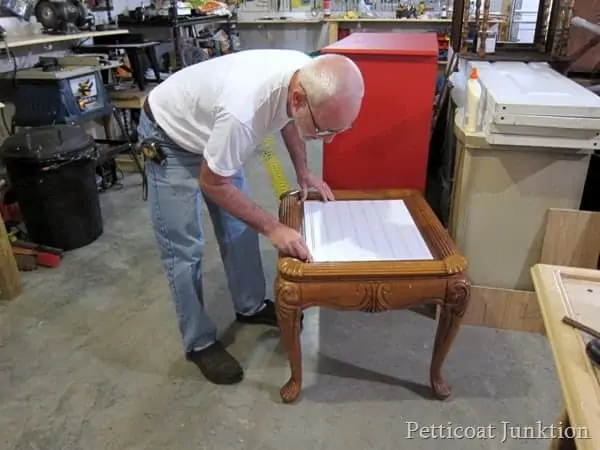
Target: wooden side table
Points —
{"points": [[373, 285], [573, 292]]}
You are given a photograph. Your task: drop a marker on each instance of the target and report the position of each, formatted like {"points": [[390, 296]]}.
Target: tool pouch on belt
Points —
{"points": [[153, 151]]}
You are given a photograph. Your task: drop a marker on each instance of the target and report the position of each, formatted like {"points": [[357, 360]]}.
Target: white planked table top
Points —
{"points": [[362, 230]]}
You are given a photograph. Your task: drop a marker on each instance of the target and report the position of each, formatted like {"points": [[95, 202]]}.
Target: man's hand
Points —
{"points": [[296, 147], [308, 181], [221, 191], [290, 242]]}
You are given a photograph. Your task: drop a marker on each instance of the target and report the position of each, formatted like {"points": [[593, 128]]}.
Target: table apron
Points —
{"points": [[368, 296]]}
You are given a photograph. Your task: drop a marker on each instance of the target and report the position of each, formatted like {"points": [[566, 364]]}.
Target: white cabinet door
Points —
{"points": [[523, 21]]}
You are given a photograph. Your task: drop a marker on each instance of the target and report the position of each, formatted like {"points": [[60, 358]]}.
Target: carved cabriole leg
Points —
{"points": [[289, 311], [452, 312]]}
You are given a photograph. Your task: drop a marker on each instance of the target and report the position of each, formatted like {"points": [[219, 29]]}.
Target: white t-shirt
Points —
{"points": [[223, 108]]}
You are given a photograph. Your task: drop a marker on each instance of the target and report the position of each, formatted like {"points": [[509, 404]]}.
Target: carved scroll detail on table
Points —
{"points": [[287, 293], [374, 297], [459, 292]]}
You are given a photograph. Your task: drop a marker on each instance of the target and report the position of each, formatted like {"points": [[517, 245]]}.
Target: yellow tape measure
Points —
{"points": [[274, 167]]}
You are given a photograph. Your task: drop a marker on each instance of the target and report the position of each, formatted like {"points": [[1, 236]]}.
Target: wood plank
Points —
{"points": [[332, 32], [10, 278], [130, 98], [572, 238], [504, 309], [13, 41]]}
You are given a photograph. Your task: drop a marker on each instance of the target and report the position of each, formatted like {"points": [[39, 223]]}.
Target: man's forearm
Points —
{"points": [[296, 147], [236, 203]]}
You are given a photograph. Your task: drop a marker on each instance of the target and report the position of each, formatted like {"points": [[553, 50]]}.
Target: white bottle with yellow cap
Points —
{"points": [[472, 103]]}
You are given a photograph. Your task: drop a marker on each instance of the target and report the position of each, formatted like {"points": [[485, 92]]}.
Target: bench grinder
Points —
{"points": [[63, 16]]}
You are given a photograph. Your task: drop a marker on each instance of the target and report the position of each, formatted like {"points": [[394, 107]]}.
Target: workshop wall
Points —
{"points": [[308, 37], [303, 37]]}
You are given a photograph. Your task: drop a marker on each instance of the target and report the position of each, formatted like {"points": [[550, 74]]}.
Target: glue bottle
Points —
{"points": [[472, 103]]}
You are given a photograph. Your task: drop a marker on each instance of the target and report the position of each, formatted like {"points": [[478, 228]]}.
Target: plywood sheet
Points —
{"points": [[504, 309], [362, 230], [572, 238]]}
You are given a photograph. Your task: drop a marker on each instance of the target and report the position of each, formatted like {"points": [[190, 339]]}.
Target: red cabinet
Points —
{"points": [[388, 145]]}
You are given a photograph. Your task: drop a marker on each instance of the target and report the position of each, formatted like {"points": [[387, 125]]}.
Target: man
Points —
{"points": [[208, 118]]}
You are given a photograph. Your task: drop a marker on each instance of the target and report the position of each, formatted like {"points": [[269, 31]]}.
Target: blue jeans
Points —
{"points": [[175, 202]]}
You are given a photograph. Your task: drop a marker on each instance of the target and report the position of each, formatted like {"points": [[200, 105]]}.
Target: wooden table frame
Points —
{"points": [[373, 286], [578, 377]]}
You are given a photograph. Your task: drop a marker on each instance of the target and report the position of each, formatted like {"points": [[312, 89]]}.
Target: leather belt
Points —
{"points": [[148, 111]]}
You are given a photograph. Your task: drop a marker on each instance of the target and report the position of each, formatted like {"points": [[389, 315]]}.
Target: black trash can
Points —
{"points": [[52, 171]]}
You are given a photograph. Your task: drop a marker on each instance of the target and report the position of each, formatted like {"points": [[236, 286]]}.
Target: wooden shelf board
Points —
{"points": [[42, 39]]}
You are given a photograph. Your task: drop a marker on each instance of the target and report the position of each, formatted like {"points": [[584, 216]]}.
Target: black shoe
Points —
{"points": [[265, 316], [217, 365]]}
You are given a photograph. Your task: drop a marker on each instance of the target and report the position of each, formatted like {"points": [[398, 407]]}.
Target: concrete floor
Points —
{"points": [[90, 359]]}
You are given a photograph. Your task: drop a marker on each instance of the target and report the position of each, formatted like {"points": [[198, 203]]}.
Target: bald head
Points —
{"points": [[334, 86]]}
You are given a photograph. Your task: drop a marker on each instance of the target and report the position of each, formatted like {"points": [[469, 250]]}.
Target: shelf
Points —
{"points": [[185, 22], [44, 39], [387, 20], [279, 21], [511, 54], [395, 20], [181, 22]]}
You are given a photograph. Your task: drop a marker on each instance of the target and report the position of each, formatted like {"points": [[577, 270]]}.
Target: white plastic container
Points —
{"points": [[472, 102], [490, 42]]}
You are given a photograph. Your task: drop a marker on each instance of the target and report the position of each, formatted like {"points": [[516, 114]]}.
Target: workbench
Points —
{"points": [[301, 31], [573, 292]]}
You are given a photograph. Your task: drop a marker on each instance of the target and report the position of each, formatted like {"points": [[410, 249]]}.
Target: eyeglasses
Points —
{"points": [[319, 132]]}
